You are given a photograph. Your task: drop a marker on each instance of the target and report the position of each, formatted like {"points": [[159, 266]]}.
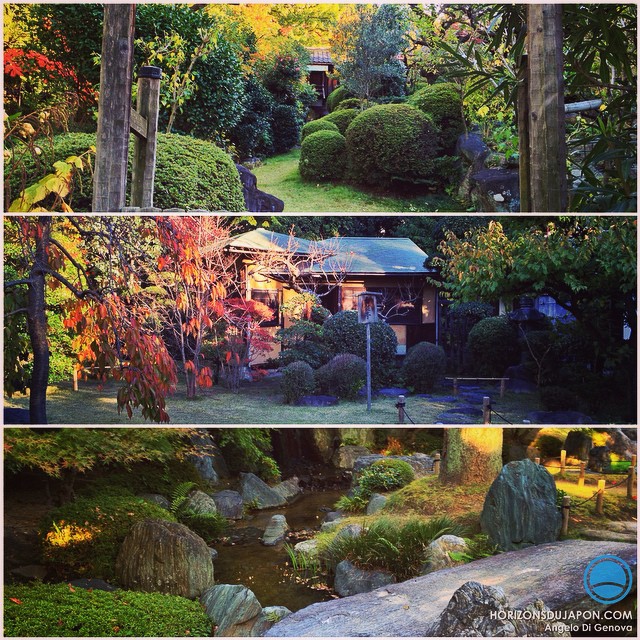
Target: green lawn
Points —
{"points": [[280, 177], [257, 403]]}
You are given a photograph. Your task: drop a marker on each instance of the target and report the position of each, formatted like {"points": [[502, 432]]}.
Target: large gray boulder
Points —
{"points": [[208, 459], [229, 504], [257, 492], [234, 610], [288, 489], [254, 199], [346, 455], [350, 579], [166, 557], [520, 507], [276, 531], [477, 610], [550, 572], [201, 503]]}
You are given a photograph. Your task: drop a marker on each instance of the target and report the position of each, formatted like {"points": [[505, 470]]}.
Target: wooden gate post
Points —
{"points": [[566, 507], [600, 498], [632, 476], [144, 123], [436, 464], [486, 410], [114, 108], [581, 476], [401, 405]]}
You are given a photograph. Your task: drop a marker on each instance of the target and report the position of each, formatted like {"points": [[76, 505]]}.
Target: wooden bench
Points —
{"points": [[503, 383]]}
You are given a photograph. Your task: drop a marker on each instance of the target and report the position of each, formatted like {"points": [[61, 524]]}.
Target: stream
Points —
{"points": [[262, 569]]}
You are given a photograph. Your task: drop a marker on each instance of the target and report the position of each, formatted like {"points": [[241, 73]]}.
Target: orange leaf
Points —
{"points": [[16, 600], [71, 588]]}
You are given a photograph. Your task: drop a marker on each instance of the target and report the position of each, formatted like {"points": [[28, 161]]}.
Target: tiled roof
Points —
{"points": [[358, 256], [320, 55]]}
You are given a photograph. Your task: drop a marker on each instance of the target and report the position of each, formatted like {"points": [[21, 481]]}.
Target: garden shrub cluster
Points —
{"points": [[423, 365], [297, 380], [350, 103], [339, 94], [317, 125], [190, 173], [60, 610], [343, 376], [386, 474], [342, 118], [493, 346], [323, 156]]}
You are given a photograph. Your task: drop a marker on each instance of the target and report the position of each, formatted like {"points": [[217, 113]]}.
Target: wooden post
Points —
{"points": [[600, 498], [523, 133], [503, 386], [536, 460], [368, 366], [75, 377], [486, 410], [114, 108], [581, 476], [455, 386], [401, 405], [547, 135], [632, 476], [436, 464], [144, 149], [563, 461], [566, 507]]}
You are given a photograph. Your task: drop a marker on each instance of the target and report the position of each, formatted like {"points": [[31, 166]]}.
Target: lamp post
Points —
{"points": [[367, 314]]}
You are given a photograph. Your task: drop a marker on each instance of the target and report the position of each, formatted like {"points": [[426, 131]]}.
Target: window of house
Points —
{"points": [[272, 298], [400, 305]]}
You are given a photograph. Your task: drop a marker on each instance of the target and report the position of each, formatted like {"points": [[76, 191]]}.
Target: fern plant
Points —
{"points": [[207, 525]]}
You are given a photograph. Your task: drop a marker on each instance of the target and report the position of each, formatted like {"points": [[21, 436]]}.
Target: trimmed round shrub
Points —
{"points": [[286, 127], [297, 381], [392, 142], [342, 376], [190, 173], [83, 537], [443, 102], [55, 610], [387, 474], [349, 103], [493, 346], [342, 118], [323, 156], [318, 125], [344, 334], [423, 365], [336, 97]]}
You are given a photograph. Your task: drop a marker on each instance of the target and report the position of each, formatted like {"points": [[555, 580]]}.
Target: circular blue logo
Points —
{"points": [[607, 579]]}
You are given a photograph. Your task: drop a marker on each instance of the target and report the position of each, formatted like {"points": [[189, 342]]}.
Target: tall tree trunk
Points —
{"points": [[37, 327], [471, 455]]}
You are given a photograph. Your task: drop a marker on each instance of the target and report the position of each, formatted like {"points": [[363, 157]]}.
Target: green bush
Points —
{"points": [[392, 142], [58, 610], [349, 103], [302, 341], [208, 526], [443, 102], [323, 156], [398, 547], [342, 119], [190, 173], [493, 346], [286, 127], [297, 381], [548, 445], [342, 376], [317, 125], [423, 365], [555, 398], [387, 474], [344, 334], [83, 537], [336, 97]]}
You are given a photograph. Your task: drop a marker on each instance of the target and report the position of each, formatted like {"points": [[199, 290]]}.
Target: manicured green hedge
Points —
{"points": [[60, 610], [423, 365], [443, 102], [297, 381], [392, 142], [493, 346], [318, 125], [190, 173], [336, 97], [323, 156], [349, 103], [342, 118], [343, 376]]}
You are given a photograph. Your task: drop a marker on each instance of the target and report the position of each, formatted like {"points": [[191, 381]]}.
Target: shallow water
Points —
{"points": [[262, 569]]}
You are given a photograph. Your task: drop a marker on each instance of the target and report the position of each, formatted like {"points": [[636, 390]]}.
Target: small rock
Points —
{"points": [[350, 580], [439, 553], [199, 502], [350, 531], [288, 489], [92, 583], [307, 547], [30, 571], [275, 531], [234, 609], [255, 491], [214, 554], [376, 502], [156, 498], [229, 504]]}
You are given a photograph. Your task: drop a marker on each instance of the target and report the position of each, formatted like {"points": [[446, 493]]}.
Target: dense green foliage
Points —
{"points": [[248, 450], [386, 474], [398, 547], [342, 118], [443, 103], [350, 103], [342, 376], [339, 94], [493, 346], [344, 334], [323, 156], [208, 525], [297, 381], [48, 610], [317, 125], [83, 537], [392, 142], [423, 365], [286, 127]]}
